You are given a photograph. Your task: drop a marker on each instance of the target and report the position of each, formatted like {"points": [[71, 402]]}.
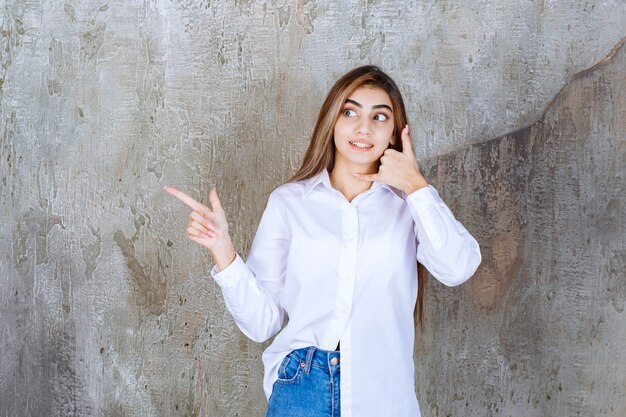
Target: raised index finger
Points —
{"points": [[187, 200]]}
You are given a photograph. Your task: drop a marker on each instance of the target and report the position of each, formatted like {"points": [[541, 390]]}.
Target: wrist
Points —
{"points": [[415, 184], [223, 255]]}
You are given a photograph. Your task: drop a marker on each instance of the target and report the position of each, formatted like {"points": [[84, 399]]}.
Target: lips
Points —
{"points": [[360, 145]]}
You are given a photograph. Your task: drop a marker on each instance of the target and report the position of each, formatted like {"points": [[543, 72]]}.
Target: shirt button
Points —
{"points": [[334, 361]]}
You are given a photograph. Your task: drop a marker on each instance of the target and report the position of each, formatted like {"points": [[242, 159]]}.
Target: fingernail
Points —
{"points": [[407, 128], [356, 174]]}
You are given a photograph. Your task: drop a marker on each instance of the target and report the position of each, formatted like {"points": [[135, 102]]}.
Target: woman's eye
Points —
{"points": [[349, 113], [380, 117]]}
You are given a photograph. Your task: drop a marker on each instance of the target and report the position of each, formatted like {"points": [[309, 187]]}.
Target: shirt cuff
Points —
{"points": [[230, 276], [423, 198]]}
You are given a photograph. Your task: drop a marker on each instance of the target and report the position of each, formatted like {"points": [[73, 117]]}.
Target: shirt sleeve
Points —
{"points": [[252, 289], [444, 246]]}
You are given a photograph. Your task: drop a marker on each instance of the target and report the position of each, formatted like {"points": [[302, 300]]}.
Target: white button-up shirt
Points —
{"points": [[337, 270]]}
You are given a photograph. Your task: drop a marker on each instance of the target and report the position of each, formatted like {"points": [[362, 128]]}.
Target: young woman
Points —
{"points": [[334, 258]]}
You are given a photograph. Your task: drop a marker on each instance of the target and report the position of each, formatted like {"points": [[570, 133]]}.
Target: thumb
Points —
{"points": [[407, 146], [216, 204]]}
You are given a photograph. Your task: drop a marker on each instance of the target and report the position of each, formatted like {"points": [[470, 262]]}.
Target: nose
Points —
{"points": [[364, 126]]}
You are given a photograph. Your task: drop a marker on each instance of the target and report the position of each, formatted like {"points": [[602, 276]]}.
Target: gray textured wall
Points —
{"points": [[518, 114]]}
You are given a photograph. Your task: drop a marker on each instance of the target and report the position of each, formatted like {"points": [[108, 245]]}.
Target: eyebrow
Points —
{"points": [[377, 106]]}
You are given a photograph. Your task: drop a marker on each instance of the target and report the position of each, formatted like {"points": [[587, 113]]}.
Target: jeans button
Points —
{"points": [[334, 361]]}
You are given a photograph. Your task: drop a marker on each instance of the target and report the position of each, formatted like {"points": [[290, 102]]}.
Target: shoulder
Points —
{"points": [[287, 191], [284, 199]]}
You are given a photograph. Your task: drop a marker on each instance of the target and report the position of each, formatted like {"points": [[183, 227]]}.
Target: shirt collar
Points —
{"points": [[398, 193], [324, 178], [311, 183]]}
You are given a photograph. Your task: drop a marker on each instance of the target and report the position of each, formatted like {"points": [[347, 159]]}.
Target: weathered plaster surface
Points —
{"points": [[539, 330], [107, 310]]}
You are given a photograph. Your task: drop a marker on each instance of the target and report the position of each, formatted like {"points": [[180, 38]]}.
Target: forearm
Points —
{"points": [[445, 247], [251, 300]]}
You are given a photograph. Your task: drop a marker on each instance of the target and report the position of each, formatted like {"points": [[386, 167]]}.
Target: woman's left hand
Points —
{"points": [[399, 169]]}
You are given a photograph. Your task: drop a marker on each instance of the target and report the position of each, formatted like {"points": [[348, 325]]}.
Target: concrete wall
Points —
{"points": [[539, 330], [518, 116]]}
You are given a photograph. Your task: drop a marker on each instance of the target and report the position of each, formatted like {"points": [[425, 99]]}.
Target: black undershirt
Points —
{"points": [[338, 345]]}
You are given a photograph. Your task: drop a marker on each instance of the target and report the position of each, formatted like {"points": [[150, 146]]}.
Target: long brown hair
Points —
{"points": [[320, 154]]}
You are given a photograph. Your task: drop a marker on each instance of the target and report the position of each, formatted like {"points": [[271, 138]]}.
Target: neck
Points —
{"points": [[342, 180]]}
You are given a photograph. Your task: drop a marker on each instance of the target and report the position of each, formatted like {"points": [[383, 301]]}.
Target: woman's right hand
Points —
{"points": [[208, 227]]}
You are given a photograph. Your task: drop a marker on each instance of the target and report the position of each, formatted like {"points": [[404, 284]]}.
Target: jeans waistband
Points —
{"points": [[312, 356]]}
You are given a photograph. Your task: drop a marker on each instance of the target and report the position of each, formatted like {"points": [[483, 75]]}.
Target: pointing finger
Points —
{"points": [[187, 200]]}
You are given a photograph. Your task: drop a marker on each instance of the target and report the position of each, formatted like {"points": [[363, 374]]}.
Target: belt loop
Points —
{"points": [[309, 359]]}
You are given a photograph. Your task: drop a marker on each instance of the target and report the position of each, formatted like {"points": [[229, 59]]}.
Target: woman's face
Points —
{"points": [[364, 129]]}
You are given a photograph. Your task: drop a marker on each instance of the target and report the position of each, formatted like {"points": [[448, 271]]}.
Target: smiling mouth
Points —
{"points": [[361, 145]]}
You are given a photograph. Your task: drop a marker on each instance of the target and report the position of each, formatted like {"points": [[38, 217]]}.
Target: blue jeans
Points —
{"points": [[307, 385]]}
